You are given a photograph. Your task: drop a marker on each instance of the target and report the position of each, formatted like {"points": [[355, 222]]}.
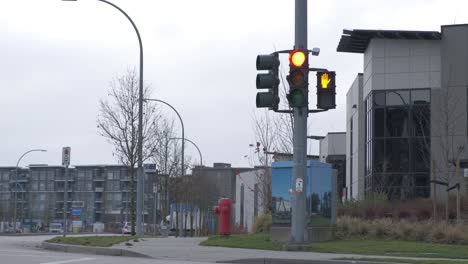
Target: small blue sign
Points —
{"points": [[77, 211]]}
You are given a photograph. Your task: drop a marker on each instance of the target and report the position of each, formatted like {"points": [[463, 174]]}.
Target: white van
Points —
{"points": [[55, 228]]}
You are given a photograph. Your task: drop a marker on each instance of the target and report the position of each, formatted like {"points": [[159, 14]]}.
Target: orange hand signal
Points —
{"points": [[325, 80]]}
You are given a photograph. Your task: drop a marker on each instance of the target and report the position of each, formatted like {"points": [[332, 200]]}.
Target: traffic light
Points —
{"points": [[326, 90], [298, 78], [268, 80]]}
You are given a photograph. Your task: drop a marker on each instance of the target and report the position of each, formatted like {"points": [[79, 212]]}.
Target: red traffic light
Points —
{"points": [[297, 58]]}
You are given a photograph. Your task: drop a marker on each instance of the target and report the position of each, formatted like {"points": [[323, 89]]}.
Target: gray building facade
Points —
{"points": [[100, 192], [407, 112]]}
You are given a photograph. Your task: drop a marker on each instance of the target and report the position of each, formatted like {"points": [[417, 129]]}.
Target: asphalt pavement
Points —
{"points": [[27, 250]]}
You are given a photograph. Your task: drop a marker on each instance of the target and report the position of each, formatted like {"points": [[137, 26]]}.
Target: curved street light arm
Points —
{"points": [[193, 143], [183, 129]]}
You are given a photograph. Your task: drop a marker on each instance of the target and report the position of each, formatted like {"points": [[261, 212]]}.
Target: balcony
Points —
{"points": [[98, 179], [99, 189]]}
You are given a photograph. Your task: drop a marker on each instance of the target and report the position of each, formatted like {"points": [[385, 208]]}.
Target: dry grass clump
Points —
{"points": [[262, 223], [424, 231]]}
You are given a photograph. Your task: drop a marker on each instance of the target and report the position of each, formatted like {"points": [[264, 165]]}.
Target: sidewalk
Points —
{"points": [[187, 249]]}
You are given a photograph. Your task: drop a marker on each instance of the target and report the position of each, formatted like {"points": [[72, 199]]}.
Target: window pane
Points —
{"points": [[379, 117], [420, 97], [396, 155], [421, 180], [397, 122], [379, 98], [421, 121], [378, 155], [420, 154], [397, 97]]}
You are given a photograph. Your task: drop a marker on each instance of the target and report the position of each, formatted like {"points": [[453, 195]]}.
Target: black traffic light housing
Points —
{"points": [[268, 80], [298, 78], [326, 90]]}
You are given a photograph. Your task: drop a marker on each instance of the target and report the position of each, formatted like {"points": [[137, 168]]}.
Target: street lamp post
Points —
{"points": [[140, 178], [183, 133], [199, 152], [16, 181]]}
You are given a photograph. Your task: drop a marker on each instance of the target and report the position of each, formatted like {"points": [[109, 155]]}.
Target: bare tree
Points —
{"points": [[118, 122], [449, 138]]}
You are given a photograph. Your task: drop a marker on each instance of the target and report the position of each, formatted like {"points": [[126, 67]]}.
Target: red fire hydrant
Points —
{"points": [[224, 211]]}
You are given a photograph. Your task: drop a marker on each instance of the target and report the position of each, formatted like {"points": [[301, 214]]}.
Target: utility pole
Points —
{"points": [[65, 162], [298, 222]]}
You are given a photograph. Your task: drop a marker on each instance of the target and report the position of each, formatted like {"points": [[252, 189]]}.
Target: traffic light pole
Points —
{"points": [[298, 222]]}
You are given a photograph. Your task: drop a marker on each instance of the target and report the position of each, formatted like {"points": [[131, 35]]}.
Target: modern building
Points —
{"points": [[251, 196], [222, 178], [96, 193], [333, 151], [407, 111]]}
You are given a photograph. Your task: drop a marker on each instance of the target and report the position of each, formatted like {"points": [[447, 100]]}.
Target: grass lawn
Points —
{"points": [[254, 241], [364, 247], [410, 261], [95, 241]]}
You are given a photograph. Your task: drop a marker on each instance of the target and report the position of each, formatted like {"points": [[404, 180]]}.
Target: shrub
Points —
{"points": [[262, 223], [404, 231], [424, 231]]}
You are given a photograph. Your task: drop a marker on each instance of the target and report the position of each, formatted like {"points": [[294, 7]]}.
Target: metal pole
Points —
{"points": [[154, 210], [193, 143], [65, 203], [183, 131], [298, 220], [140, 172], [15, 182]]}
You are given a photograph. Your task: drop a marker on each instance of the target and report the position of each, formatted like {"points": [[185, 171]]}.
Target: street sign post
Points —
{"points": [[65, 162]]}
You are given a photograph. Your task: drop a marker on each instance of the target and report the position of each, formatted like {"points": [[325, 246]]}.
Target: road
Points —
{"points": [[26, 250]]}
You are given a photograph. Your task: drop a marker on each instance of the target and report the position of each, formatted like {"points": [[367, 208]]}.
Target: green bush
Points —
{"points": [[424, 231], [262, 224]]}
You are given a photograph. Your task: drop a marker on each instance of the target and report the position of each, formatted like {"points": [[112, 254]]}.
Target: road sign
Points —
{"points": [[66, 156]]}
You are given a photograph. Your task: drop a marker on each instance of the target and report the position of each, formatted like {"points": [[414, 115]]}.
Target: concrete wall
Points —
{"points": [[355, 155], [401, 64], [449, 105], [332, 144], [248, 180]]}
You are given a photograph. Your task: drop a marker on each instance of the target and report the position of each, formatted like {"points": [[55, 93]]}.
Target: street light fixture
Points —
{"points": [[16, 181], [140, 178], [193, 143], [183, 130]]}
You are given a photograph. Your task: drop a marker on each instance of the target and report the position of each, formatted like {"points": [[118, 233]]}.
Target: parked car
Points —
{"points": [[127, 228], [55, 228]]}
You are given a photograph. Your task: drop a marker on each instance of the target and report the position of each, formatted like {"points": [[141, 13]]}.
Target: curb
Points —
{"points": [[107, 251]]}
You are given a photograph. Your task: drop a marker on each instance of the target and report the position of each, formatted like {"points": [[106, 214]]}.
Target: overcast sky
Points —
{"points": [[57, 59]]}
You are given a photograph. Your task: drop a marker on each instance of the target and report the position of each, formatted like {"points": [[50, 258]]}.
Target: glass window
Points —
{"points": [[421, 180], [397, 122], [43, 175], [35, 174], [396, 155], [379, 117], [110, 175], [50, 175], [397, 97], [80, 175], [378, 155], [42, 186], [88, 175], [33, 185], [420, 154], [379, 98], [421, 120], [420, 96]]}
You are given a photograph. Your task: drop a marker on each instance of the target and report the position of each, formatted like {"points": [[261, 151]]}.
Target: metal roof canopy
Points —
{"points": [[357, 40]]}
